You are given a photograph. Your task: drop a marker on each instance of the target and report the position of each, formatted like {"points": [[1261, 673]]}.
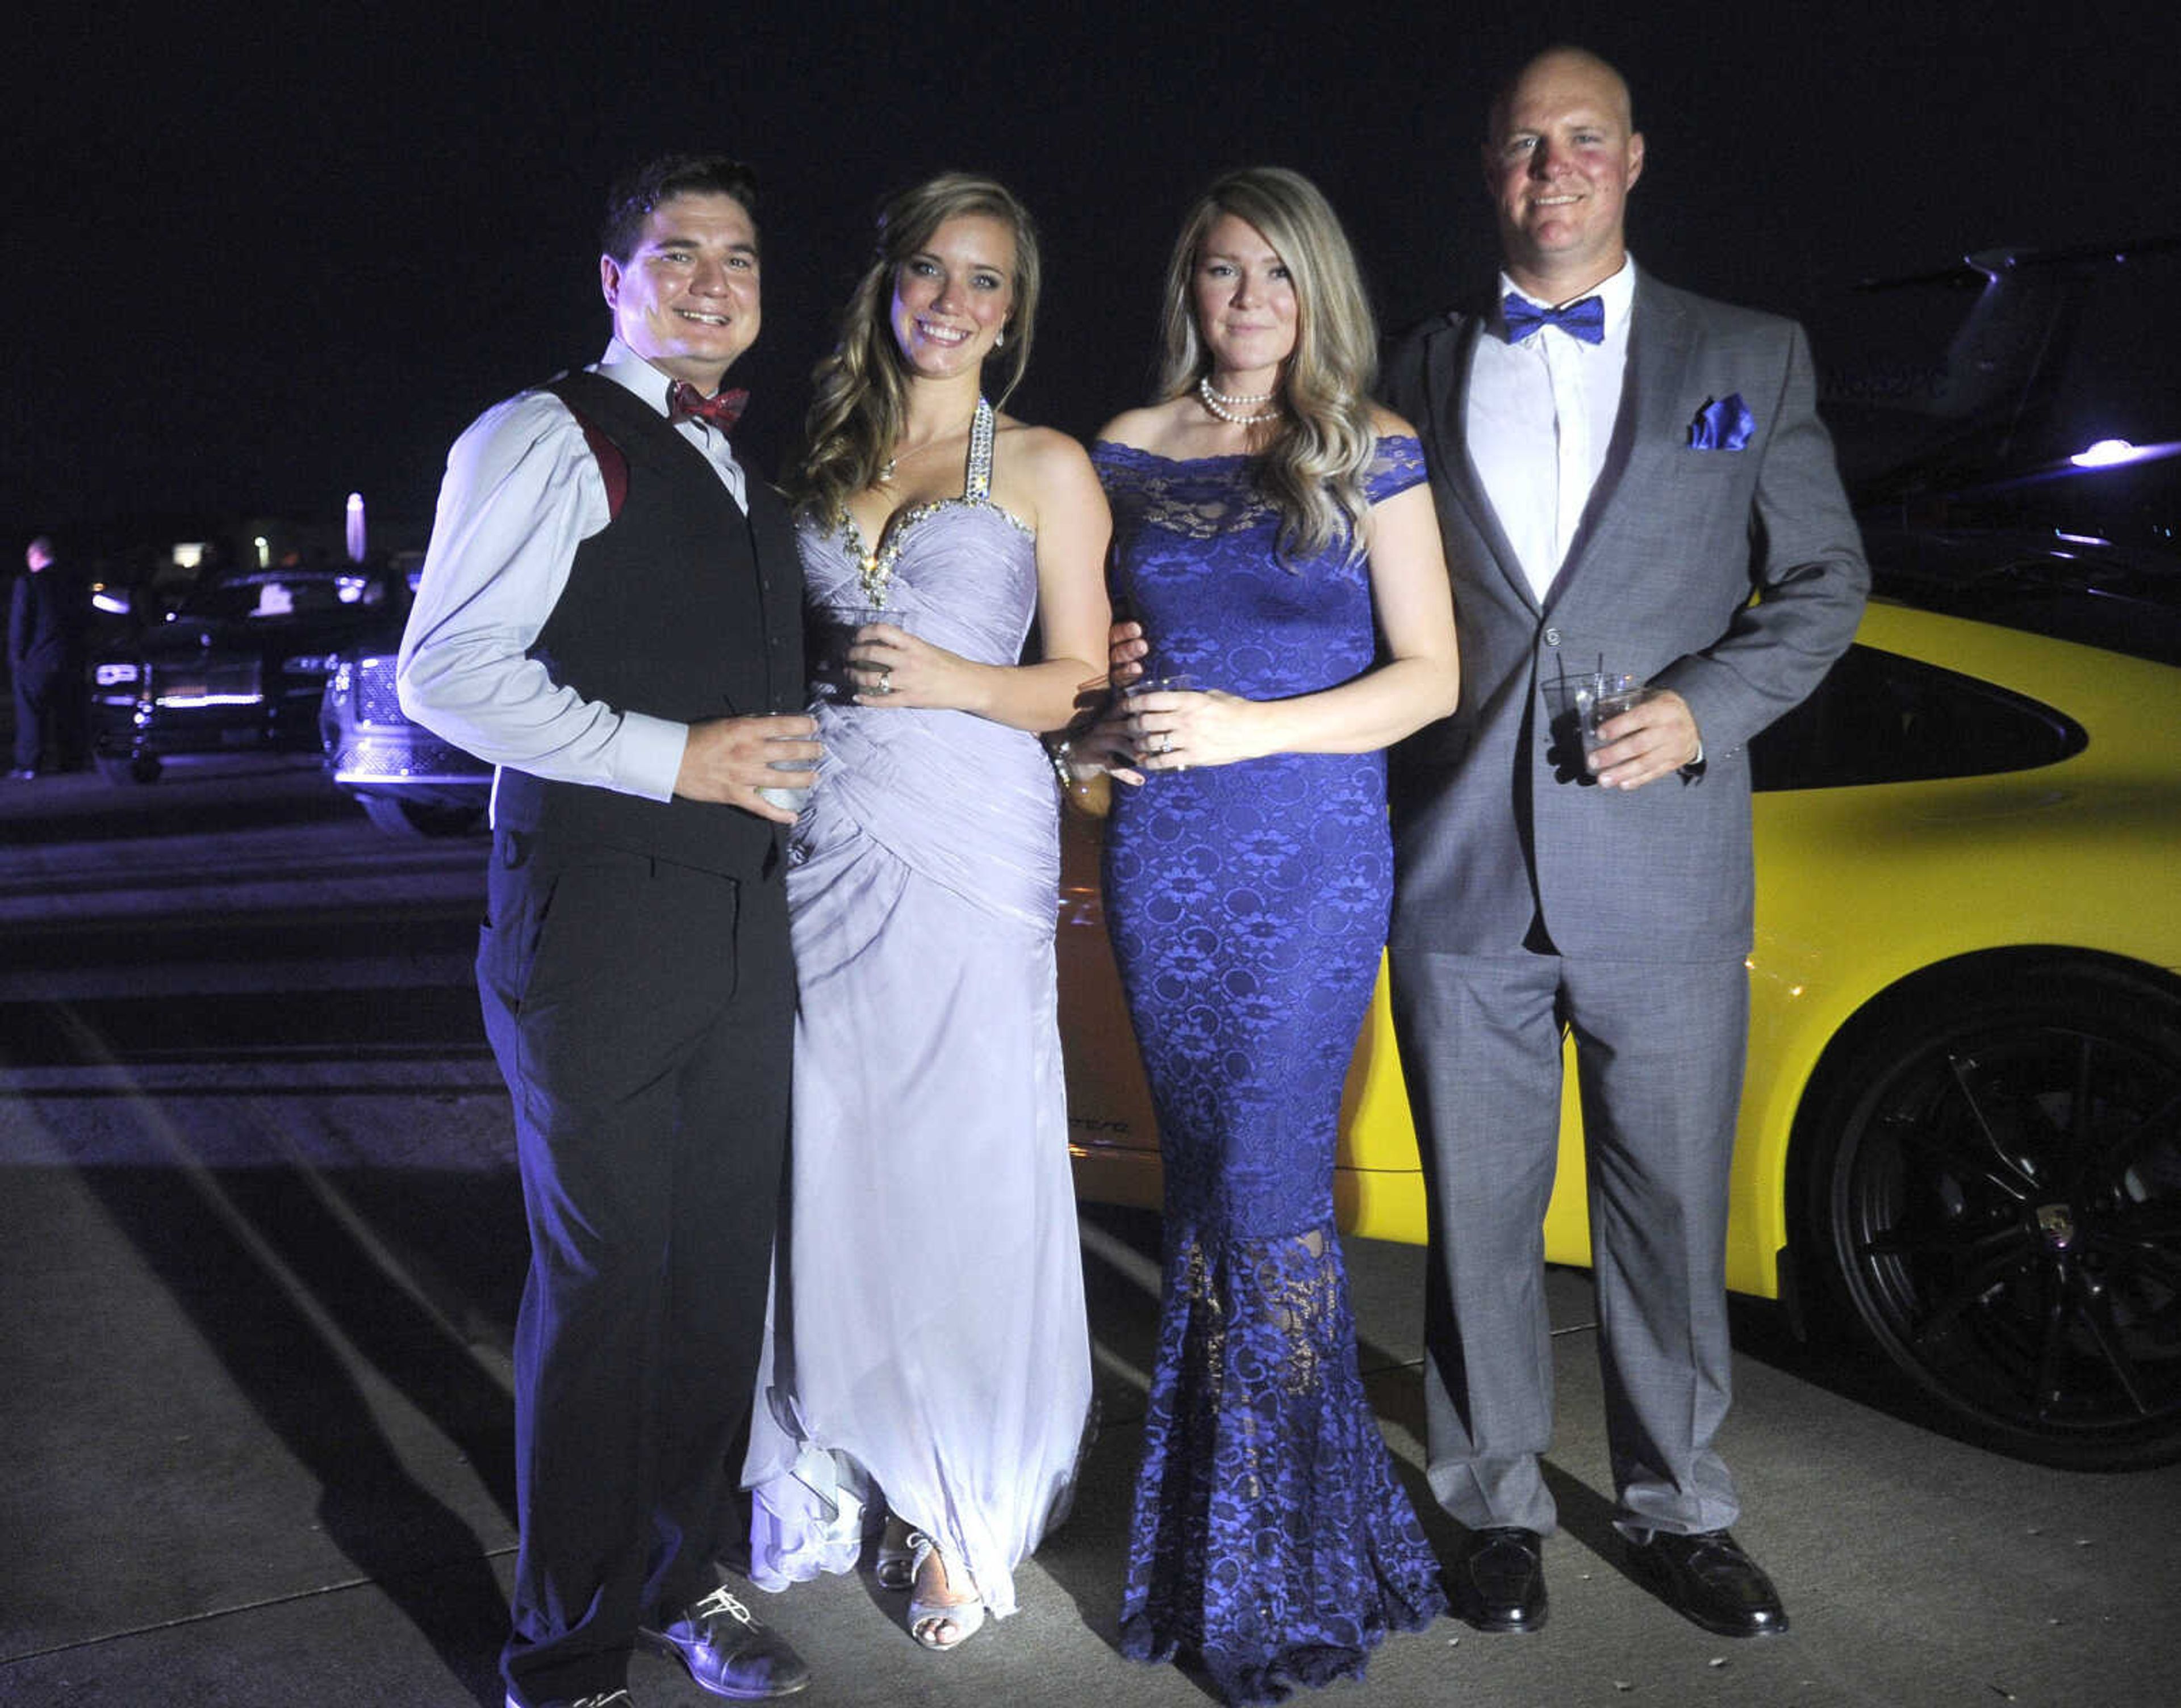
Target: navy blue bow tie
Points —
{"points": [[1585, 320]]}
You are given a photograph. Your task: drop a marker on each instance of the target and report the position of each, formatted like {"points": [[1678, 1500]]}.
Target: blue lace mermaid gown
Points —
{"points": [[1247, 904], [928, 1346]]}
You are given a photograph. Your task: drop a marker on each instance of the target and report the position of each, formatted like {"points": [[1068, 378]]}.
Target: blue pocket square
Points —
{"points": [[1723, 424]]}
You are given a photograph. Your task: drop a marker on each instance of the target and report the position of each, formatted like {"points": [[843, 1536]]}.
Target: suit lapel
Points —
{"points": [[1659, 340], [1450, 380]]}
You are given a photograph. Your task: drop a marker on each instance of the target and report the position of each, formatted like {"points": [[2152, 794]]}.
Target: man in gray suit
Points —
{"points": [[1629, 479]]}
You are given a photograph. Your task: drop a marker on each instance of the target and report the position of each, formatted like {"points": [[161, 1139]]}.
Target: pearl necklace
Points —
{"points": [[1227, 407]]}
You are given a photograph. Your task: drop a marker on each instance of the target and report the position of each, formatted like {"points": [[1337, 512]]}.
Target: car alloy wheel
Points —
{"points": [[1996, 1192], [121, 768]]}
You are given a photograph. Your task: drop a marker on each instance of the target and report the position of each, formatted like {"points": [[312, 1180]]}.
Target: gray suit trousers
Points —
{"points": [[1659, 1052]]}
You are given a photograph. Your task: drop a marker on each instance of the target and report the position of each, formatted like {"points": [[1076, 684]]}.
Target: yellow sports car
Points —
{"points": [[1961, 1126]]}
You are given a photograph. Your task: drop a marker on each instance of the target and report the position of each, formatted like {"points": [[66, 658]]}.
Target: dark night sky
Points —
{"points": [[252, 267]]}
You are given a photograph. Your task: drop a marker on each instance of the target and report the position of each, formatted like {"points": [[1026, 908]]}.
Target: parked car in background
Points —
{"points": [[240, 662], [1960, 1134], [408, 781]]}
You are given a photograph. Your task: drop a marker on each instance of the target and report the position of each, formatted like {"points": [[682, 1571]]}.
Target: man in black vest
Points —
{"points": [[610, 612]]}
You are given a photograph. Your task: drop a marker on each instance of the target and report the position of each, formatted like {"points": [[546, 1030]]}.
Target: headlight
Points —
{"points": [[112, 676]]}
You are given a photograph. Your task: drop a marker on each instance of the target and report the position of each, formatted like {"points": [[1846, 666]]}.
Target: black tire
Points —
{"points": [[400, 817], [119, 769], [1992, 1186]]}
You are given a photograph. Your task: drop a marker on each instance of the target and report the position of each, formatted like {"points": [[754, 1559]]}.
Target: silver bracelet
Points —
{"points": [[1057, 753]]}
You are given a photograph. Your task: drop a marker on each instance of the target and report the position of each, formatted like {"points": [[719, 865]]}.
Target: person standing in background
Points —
{"points": [[48, 627]]}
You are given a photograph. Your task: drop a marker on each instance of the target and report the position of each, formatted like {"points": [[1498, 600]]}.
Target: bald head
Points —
{"points": [[1560, 156], [1579, 61]]}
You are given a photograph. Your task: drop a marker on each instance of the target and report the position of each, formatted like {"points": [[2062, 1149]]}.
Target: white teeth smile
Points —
{"points": [[707, 319], [941, 334]]}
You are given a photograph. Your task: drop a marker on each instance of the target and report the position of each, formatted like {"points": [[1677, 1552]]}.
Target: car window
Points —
{"points": [[1879, 718], [2022, 387], [2078, 587]]}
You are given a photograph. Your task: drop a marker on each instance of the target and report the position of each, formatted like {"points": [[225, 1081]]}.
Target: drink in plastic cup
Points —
{"points": [[1177, 683], [1604, 698], [795, 800], [836, 633]]}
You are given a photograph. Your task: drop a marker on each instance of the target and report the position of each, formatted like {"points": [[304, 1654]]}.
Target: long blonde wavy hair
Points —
{"points": [[1312, 471], [859, 401]]}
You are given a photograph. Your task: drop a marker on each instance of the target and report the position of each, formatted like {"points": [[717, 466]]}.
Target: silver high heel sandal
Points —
{"points": [[897, 1561], [939, 1625]]}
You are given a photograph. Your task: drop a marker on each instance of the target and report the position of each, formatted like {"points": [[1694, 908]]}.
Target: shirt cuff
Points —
{"points": [[650, 756]]}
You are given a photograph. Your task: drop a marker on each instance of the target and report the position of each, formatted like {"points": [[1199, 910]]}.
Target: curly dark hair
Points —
{"points": [[636, 194]]}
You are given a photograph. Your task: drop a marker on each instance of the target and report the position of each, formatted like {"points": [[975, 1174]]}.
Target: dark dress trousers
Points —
{"points": [[48, 622], [1527, 898], [638, 990]]}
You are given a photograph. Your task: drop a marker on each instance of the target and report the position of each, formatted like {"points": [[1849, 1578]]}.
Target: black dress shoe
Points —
{"points": [[729, 1650], [1707, 1578], [1497, 1581]]}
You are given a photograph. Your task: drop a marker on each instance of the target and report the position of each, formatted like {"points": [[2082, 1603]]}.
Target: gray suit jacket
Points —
{"points": [[1734, 577]]}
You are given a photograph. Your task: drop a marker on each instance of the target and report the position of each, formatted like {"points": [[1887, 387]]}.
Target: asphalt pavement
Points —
{"points": [[260, 1249]]}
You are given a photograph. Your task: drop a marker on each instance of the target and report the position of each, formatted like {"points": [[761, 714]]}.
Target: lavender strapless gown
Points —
{"points": [[928, 1349]]}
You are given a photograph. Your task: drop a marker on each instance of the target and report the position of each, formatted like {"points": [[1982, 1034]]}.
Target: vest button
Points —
{"points": [[1552, 638]]}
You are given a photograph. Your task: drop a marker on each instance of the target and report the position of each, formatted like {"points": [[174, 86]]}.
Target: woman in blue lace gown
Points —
{"points": [[1274, 540], [928, 1345]]}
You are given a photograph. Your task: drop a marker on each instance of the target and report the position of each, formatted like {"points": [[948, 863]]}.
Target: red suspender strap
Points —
{"points": [[613, 464]]}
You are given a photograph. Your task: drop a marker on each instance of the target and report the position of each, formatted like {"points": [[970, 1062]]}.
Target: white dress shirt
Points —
{"points": [[1540, 420], [523, 491]]}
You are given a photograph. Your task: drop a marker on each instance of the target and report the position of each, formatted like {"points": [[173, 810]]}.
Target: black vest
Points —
{"points": [[681, 607]]}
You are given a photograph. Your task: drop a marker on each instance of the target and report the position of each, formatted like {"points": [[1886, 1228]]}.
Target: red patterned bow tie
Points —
{"points": [[685, 402]]}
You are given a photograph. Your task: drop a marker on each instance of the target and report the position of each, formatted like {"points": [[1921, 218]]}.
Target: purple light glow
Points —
{"points": [[2111, 453]]}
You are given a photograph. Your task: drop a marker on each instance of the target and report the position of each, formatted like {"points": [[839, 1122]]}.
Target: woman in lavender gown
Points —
{"points": [[929, 1350], [1275, 541]]}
